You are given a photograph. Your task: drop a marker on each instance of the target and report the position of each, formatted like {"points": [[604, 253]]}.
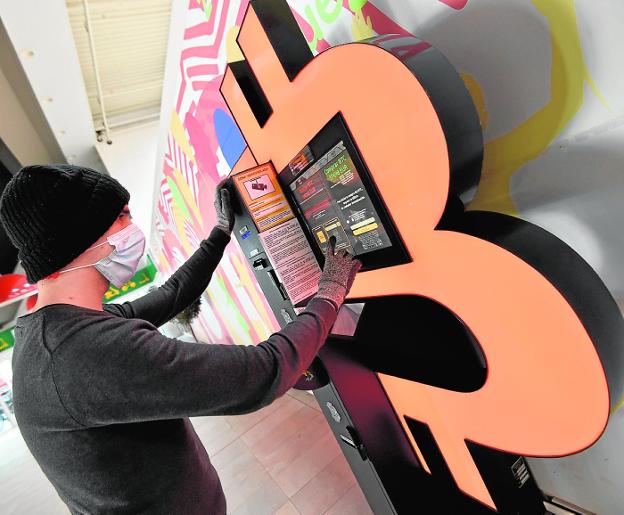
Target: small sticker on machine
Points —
{"points": [[520, 471], [260, 191]]}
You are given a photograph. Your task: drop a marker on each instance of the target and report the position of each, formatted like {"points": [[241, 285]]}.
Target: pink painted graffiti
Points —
{"points": [[455, 4]]}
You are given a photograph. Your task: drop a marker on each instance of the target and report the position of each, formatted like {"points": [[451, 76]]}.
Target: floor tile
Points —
{"points": [[274, 422], [23, 486], [352, 503], [289, 441], [265, 441], [242, 423], [253, 491], [214, 432], [247, 485], [305, 397], [308, 464], [232, 461], [287, 509], [286, 448], [256, 494], [325, 489]]}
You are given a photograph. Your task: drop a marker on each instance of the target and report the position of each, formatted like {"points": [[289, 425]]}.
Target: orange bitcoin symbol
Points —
{"points": [[544, 373]]}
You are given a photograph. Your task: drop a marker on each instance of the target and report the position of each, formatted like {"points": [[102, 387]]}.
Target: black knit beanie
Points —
{"points": [[53, 213]]}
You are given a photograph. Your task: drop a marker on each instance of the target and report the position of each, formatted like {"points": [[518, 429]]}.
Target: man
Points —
{"points": [[101, 397]]}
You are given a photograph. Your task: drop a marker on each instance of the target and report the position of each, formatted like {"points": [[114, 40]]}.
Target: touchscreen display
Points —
{"points": [[334, 202]]}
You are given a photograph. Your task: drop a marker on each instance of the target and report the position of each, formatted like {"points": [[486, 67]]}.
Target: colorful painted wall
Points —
{"points": [[199, 144], [543, 76]]}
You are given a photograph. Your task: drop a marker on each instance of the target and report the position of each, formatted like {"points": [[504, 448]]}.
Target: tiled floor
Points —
{"points": [[280, 460]]}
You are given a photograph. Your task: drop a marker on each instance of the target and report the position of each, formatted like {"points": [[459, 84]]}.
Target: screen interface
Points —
{"points": [[334, 202]]}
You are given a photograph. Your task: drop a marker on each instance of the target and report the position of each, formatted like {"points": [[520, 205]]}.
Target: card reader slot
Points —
{"points": [[353, 440], [271, 273]]}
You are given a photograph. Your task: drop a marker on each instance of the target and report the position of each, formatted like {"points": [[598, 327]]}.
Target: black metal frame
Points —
{"points": [[335, 131]]}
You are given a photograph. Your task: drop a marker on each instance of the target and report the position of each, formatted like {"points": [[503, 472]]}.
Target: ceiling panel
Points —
{"points": [[130, 39]]}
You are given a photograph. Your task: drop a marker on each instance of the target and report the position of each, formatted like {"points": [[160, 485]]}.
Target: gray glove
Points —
{"points": [[223, 207], [338, 274]]}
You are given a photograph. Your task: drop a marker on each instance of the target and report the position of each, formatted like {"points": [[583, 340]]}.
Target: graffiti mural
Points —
{"points": [[202, 144]]}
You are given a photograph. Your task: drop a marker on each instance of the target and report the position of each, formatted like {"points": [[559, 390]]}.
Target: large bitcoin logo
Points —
{"points": [[546, 392]]}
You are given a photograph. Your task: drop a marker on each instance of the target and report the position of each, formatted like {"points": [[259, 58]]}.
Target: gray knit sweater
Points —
{"points": [[102, 398]]}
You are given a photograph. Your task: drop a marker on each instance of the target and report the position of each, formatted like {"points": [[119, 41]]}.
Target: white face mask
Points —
{"points": [[122, 263]]}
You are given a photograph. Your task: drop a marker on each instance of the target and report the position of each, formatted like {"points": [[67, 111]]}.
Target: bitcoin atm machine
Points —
{"points": [[453, 357]]}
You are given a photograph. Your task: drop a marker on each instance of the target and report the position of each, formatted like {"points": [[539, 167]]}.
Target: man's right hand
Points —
{"points": [[338, 274], [223, 207]]}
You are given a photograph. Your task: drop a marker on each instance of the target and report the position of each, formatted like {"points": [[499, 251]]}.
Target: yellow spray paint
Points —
{"points": [[230, 316], [506, 154], [179, 135], [164, 264], [233, 51], [247, 282], [185, 191], [477, 97], [618, 406], [180, 214], [361, 26]]}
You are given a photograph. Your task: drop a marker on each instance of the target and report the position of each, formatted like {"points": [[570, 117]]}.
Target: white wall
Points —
{"points": [[171, 83], [43, 41], [23, 127], [131, 159], [16, 129]]}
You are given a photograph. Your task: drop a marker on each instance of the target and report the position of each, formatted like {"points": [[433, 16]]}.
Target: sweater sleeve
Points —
{"points": [[149, 377], [181, 289]]}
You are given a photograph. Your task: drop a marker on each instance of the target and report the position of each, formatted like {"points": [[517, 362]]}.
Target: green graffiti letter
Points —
{"points": [[356, 5], [318, 33], [326, 15]]}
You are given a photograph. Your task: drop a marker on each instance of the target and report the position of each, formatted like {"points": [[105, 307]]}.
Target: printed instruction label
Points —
{"points": [[263, 196], [294, 262]]}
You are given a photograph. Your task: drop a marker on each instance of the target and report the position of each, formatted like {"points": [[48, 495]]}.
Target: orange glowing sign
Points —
{"points": [[546, 393]]}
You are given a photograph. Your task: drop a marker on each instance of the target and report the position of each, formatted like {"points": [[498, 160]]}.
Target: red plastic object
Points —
{"points": [[14, 286], [31, 301], [455, 4]]}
